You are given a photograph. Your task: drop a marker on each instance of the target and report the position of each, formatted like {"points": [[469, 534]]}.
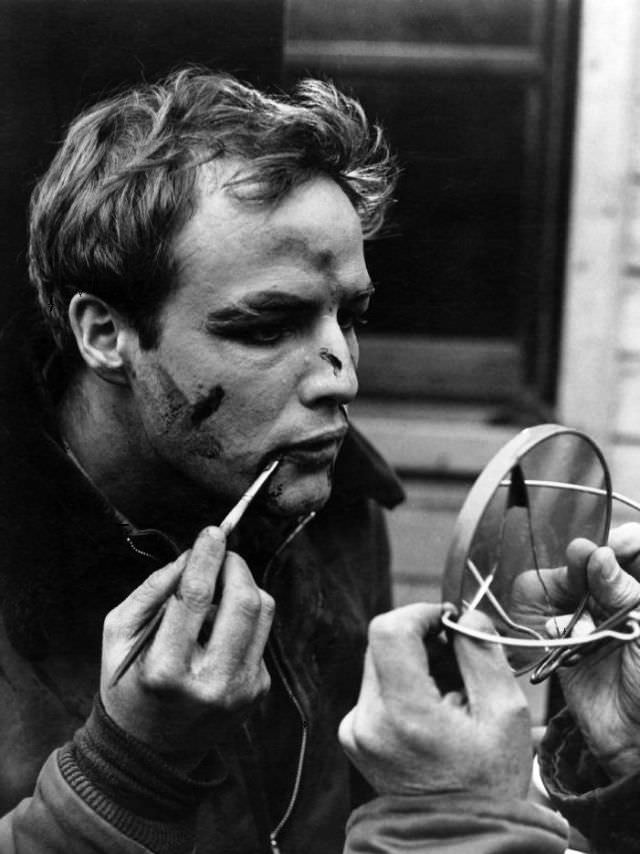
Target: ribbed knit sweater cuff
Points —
{"points": [[133, 788]]}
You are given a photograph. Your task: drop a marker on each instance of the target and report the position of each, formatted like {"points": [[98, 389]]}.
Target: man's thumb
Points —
{"points": [[609, 584]]}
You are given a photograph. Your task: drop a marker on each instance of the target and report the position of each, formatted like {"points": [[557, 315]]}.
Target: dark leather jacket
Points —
{"points": [[67, 558]]}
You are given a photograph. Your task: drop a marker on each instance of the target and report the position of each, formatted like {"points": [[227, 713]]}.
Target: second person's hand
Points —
{"points": [[407, 737], [602, 690]]}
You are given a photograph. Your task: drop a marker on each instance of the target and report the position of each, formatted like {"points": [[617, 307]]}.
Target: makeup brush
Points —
{"points": [[226, 526]]}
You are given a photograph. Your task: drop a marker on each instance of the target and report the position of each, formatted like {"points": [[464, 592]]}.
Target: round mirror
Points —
{"points": [[547, 486]]}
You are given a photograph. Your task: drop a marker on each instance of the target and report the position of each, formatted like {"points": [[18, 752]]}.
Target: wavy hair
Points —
{"points": [[103, 217]]}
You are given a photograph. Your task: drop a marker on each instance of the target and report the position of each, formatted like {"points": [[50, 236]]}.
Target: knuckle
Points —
{"points": [[233, 700], [256, 686], [367, 729], [111, 623], [411, 731], [261, 686], [264, 683], [364, 740], [243, 690], [196, 595], [236, 567], [383, 627], [249, 603], [345, 734], [344, 731], [154, 584], [514, 710], [268, 604], [160, 679], [156, 581]]}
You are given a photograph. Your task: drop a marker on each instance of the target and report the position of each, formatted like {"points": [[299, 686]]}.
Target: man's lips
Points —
{"points": [[318, 449]]}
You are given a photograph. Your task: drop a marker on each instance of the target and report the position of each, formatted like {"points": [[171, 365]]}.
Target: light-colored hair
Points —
{"points": [[123, 183]]}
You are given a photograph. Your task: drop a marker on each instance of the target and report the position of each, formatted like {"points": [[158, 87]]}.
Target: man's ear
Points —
{"points": [[98, 329]]}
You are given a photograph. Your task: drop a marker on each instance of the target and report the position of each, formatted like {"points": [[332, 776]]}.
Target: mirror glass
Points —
{"points": [[546, 487]]}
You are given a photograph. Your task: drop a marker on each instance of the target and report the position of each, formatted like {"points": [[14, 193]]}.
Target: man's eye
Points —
{"points": [[350, 319], [265, 334]]}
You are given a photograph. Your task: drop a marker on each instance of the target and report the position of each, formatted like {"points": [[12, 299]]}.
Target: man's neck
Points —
{"points": [[97, 422]]}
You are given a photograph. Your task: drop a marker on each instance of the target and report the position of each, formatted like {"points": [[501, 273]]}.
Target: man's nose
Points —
{"points": [[331, 372]]}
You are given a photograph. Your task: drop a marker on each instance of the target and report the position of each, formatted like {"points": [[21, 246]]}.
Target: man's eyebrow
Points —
{"points": [[255, 304]]}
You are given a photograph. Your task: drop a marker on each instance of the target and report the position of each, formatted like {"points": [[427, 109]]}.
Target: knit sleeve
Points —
{"points": [[453, 823], [105, 791]]}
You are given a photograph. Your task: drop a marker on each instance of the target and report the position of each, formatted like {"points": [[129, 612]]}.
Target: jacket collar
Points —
{"points": [[362, 472]]}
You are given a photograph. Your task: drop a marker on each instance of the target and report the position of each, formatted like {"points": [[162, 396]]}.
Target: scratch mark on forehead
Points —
{"points": [[291, 245]]}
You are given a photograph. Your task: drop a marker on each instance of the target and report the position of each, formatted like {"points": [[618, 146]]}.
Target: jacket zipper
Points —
{"points": [[133, 546], [273, 835]]}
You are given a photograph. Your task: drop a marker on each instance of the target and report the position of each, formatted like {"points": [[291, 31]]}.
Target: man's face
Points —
{"points": [[257, 353]]}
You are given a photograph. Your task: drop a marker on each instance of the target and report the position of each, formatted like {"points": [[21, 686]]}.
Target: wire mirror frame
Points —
{"points": [[554, 651]]}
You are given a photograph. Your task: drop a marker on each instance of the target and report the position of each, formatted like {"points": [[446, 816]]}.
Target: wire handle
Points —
{"points": [[547, 643]]}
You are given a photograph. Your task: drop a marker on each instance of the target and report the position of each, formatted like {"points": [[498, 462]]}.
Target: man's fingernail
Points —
{"points": [[608, 564], [450, 609]]}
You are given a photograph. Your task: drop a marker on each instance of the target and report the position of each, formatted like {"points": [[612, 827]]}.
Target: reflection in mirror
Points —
{"points": [[545, 488]]}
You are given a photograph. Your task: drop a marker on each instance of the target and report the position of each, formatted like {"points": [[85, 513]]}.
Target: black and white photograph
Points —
{"points": [[320, 427]]}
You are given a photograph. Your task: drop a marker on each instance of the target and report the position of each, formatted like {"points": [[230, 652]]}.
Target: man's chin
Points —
{"points": [[299, 495]]}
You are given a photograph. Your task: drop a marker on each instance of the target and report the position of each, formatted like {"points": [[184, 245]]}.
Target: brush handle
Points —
{"points": [[140, 642], [236, 513], [226, 526]]}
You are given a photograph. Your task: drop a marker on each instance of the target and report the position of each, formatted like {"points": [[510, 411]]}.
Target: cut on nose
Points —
{"points": [[331, 358], [330, 377]]}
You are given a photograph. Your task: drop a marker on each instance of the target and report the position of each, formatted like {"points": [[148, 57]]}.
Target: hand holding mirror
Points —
{"points": [[544, 488]]}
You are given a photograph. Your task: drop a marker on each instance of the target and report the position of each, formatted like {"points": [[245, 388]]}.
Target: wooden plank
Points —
{"points": [[456, 368], [381, 58], [587, 385], [627, 422], [632, 242], [624, 461], [635, 159], [629, 326], [441, 447]]}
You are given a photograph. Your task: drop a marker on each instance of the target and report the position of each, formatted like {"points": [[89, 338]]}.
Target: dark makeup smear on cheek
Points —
{"points": [[179, 409], [207, 405], [177, 405]]}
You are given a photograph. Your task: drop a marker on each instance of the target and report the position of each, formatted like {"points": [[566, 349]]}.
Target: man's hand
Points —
{"points": [[193, 683], [602, 691], [406, 737]]}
